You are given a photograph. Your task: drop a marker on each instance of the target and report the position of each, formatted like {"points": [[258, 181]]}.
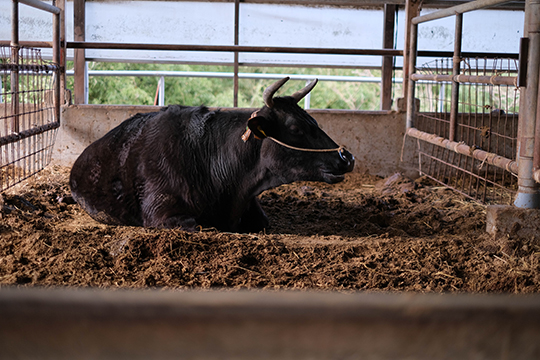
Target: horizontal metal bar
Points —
{"points": [[459, 9], [422, 53], [14, 137], [230, 48], [33, 68], [439, 4], [230, 75], [461, 148], [41, 5], [467, 54], [32, 44], [493, 80]]}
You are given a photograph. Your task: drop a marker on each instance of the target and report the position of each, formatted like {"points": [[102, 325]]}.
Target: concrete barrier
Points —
{"points": [[374, 138], [154, 324]]}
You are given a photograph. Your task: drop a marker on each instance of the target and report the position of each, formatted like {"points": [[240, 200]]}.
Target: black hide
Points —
{"points": [[189, 167]]}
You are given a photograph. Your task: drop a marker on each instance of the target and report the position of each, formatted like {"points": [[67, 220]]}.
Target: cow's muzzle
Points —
{"points": [[347, 158]]}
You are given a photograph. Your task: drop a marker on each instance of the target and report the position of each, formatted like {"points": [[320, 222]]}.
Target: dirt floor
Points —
{"points": [[365, 233]]}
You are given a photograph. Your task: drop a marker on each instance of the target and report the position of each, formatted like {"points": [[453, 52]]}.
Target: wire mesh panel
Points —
{"points": [[28, 123], [487, 119]]}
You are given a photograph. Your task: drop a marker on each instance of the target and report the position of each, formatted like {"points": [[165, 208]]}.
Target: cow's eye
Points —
{"points": [[295, 130]]}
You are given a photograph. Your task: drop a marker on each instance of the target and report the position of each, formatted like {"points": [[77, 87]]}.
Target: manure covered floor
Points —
{"points": [[365, 233]]}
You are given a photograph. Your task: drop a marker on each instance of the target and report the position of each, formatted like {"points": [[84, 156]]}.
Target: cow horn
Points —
{"points": [[268, 94], [300, 94]]}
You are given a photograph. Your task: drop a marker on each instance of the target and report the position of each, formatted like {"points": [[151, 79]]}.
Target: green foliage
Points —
{"points": [[217, 92]]}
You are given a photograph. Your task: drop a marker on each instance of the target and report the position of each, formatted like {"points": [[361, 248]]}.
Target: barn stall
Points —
{"points": [[411, 218]]}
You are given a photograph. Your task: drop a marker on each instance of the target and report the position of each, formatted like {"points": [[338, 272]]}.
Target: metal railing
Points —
{"points": [[162, 74], [452, 141], [30, 113]]}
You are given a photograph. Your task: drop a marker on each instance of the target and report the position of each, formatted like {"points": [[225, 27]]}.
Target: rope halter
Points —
{"points": [[340, 149]]}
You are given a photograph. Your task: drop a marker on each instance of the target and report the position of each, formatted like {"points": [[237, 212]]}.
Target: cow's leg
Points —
{"points": [[253, 219], [163, 211], [185, 223]]}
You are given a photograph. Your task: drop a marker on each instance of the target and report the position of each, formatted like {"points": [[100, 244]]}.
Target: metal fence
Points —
{"points": [[486, 121], [28, 123], [467, 124], [29, 103]]}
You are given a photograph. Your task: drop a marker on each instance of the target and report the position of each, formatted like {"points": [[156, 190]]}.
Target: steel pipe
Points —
{"points": [[230, 75], [493, 80], [34, 44], [16, 136], [57, 60], [528, 192], [461, 148], [230, 48], [468, 54], [459, 9], [14, 76], [41, 5], [411, 111], [456, 60], [29, 68]]}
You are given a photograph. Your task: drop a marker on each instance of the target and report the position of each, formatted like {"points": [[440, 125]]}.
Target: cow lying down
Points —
{"points": [[190, 167]]}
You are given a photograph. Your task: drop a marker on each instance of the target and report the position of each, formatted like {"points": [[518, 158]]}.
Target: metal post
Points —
{"points": [[454, 102], [161, 91], [79, 83], [307, 98], [387, 61], [86, 101], [528, 193], [15, 62], [236, 42], [61, 5], [442, 94], [411, 83], [57, 61], [412, 9]]}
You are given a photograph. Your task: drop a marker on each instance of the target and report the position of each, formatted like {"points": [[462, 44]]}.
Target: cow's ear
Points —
{"points": [[259, 126]]}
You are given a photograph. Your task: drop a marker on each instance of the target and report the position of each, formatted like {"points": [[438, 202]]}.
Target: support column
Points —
{"points": [[387, 61], [15, 62], [528, 193], [61, 4], [412, 9], [236, 42], [79, 79], [454, 104]]}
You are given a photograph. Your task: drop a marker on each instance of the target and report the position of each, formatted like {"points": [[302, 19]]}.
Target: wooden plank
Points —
{"points": [[158, 324]]}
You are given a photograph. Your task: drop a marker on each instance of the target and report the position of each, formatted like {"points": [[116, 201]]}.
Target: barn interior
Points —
{"points": [[459, 87]]}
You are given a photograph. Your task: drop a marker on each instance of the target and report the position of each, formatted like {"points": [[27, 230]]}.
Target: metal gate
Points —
{"points": [[480, 160], [467, 127], [29, 104]]}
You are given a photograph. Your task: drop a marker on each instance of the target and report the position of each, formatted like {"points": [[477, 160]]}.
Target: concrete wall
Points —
{"points": [[374, 138]]}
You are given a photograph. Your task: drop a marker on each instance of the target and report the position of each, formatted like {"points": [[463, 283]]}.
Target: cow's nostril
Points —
{"points": [[348, 158], [342, 155]]}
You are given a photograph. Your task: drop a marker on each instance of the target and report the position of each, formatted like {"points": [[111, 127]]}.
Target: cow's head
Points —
{"points": [[296, 148]]}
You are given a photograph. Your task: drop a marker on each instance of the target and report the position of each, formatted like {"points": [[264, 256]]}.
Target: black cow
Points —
{"points": [[190, 167]]}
